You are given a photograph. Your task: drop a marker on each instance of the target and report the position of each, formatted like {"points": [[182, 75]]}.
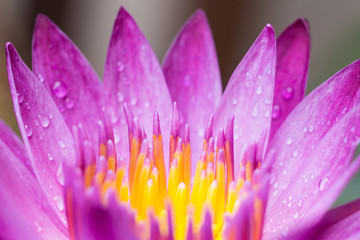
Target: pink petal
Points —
{"points": [[24, 212], [347, 228], [314, 147], [14, 143], [335, 216], [68, 76], [249, 94], [133, 75], [293, 54], [192, 73], [46, 136]]}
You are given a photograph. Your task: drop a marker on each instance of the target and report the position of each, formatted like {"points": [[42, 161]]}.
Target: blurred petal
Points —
{"points": [[47, 139], [192, 73], [68, 76], [25, 212], [13, 142], [314, 147], [348, 228], [249, 94], [293, 54], [133, 75]]}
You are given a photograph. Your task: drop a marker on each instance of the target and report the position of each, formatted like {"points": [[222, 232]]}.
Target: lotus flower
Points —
{"points": [[86, 169]]}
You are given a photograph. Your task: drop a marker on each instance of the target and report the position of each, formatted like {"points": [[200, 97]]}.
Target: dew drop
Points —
{"points": [[120, 66], [322, 183], [276, 112], [120, 97], [299, 203], [59, 202], [28, 107], [38, 227], [50, 157], [234, 101], [59, 89], [60, 175], [44, 121], [296, 216], [133, 101], [255, 111], [28, 131], [20, 98], [62, 144], [311, 128], [289, 141], [296, 153], [288, 93], [259, 89], [69, 103]]}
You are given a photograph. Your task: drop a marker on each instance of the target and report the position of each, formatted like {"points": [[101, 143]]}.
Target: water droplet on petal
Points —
{"points": [[62, 144], [296, 153], [276, 112], [44, 121], [28, 131], [59, 89], [20, 98], [322, 183], [296, 216], [120, 97], [234, 101], [50, 157], [288, 93], [120, 66], [289, 141], [59, 202], [133, 101], [259, 90], [299, 203], [38, 227], [60, 175], [69, 103], [255, 111], [311, 128]]}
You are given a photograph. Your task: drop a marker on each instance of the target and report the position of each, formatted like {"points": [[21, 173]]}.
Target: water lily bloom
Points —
{"points": [[254, 162]]}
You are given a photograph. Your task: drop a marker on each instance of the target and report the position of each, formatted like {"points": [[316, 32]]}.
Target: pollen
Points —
{"points": [[143, 184]]}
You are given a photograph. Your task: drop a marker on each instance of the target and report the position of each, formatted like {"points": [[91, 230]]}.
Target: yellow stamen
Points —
{"points": [[173, 179]]}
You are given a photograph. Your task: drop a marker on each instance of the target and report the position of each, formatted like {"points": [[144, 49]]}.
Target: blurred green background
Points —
{"points": [[235, 24]]}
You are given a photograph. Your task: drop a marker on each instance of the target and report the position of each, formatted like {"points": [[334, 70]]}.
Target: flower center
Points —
{"points": [[141, 184]]}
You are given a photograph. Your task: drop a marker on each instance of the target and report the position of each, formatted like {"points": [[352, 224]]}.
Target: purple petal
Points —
{"points": [[332, 217], [46, 136], [68, 76], [349, 228], [24, 208], [14, 143], [192, 73], [314, 147], [249, 94], [293, 54], [133, 75]]}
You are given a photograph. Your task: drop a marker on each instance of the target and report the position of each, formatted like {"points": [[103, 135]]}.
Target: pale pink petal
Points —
{"points": [[13, 142], [133, 75], [314, 147], [192, 73], [347, 229], [293, 54], [68, 76], [249, 95], [25, 212], [46, 136]]}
